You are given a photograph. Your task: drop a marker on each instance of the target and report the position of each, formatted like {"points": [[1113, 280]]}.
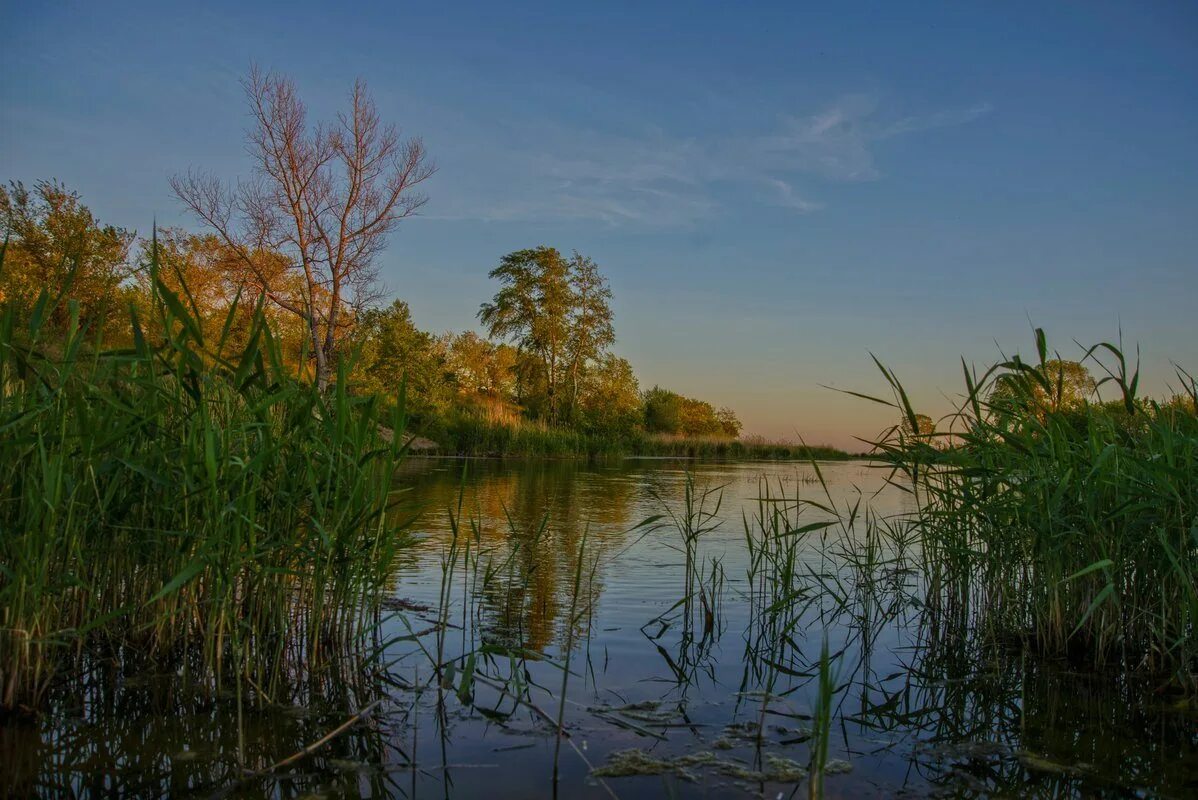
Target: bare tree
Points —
{"points": [[307, 226]]}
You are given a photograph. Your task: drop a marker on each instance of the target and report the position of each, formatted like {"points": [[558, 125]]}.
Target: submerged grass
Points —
{"points": [[181, 504]]}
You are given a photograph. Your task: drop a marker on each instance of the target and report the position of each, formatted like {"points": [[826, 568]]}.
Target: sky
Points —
{"points": [[775, 191]]}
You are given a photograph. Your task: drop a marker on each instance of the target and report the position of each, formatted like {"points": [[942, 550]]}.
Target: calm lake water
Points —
{"points": [[712, 698]]}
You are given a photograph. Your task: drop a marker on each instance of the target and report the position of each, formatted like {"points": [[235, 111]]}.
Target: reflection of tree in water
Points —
{"points": [[548, 506], [529, 520]]}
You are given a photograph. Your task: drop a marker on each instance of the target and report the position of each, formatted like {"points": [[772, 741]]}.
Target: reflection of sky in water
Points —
{"points": [[898, 729], [916, 711]]}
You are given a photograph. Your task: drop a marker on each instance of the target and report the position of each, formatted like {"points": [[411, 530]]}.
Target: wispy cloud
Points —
{"points": [[658, 180], [787, 197]]}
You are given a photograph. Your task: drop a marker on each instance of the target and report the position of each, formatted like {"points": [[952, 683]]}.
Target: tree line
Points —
{"points": [[300, 238]]}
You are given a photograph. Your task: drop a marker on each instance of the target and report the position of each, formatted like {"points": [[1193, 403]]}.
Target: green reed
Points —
{"points": [[178, 496], [1068, 527]]}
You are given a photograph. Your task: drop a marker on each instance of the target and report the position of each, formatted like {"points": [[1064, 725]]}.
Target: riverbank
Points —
{"points": [[472, 436]]}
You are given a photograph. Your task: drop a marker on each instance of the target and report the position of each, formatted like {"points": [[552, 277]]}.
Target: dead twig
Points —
{"points": [[307, 751]]}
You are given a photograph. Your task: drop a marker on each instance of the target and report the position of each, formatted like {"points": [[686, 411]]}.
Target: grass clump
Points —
{"points": [[182, 505], [1049, 517]]}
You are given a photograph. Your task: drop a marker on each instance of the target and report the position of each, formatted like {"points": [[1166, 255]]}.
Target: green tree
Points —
{"points": [[663, 411], [729, 422], [392, 349], [611, 400], [55, 243], [672, 413], [201, 270], [591, 328], [558, 313], [533, 308], [479, 367], [699, 418]]}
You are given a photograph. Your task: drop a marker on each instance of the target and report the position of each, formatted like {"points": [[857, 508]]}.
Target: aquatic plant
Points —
{"points": [[180, 496], [1058, 521]]}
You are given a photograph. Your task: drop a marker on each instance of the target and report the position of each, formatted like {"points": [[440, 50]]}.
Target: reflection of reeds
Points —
{"points": [[143, 736], [697, 615], [572, 621], [699, 516]]}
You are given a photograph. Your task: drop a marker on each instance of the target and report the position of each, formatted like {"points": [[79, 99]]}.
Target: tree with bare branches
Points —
{"points": [[323, 198]]}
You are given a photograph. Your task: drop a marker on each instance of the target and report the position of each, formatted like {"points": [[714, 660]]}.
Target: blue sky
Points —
{"points": [[773, 191]]}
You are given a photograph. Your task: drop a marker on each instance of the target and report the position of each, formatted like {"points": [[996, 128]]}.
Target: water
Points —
{"points": [[717, 697]]}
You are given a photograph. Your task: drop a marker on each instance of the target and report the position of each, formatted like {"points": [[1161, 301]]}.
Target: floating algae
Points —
{"points": [[784, 770], [1035, 763], [837, 767], [739, 771], [777, 770], [627, 763], [741, 730], [647, 711]]}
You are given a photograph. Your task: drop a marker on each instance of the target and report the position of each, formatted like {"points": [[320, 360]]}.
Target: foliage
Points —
{"points": [[1055, 385], [480, 368], [558, 372], [663, 411], [1068, 524], [611, 397], [591, 328], [533, 309], [182, 502], [392, 352], [204, 273], [558, 312], [921, 426], [671, 413], [54, 241]]}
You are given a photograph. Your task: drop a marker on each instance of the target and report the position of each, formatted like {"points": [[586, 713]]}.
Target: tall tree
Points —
{"points": [[533, 308], [591, 328], [323, 197]]}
